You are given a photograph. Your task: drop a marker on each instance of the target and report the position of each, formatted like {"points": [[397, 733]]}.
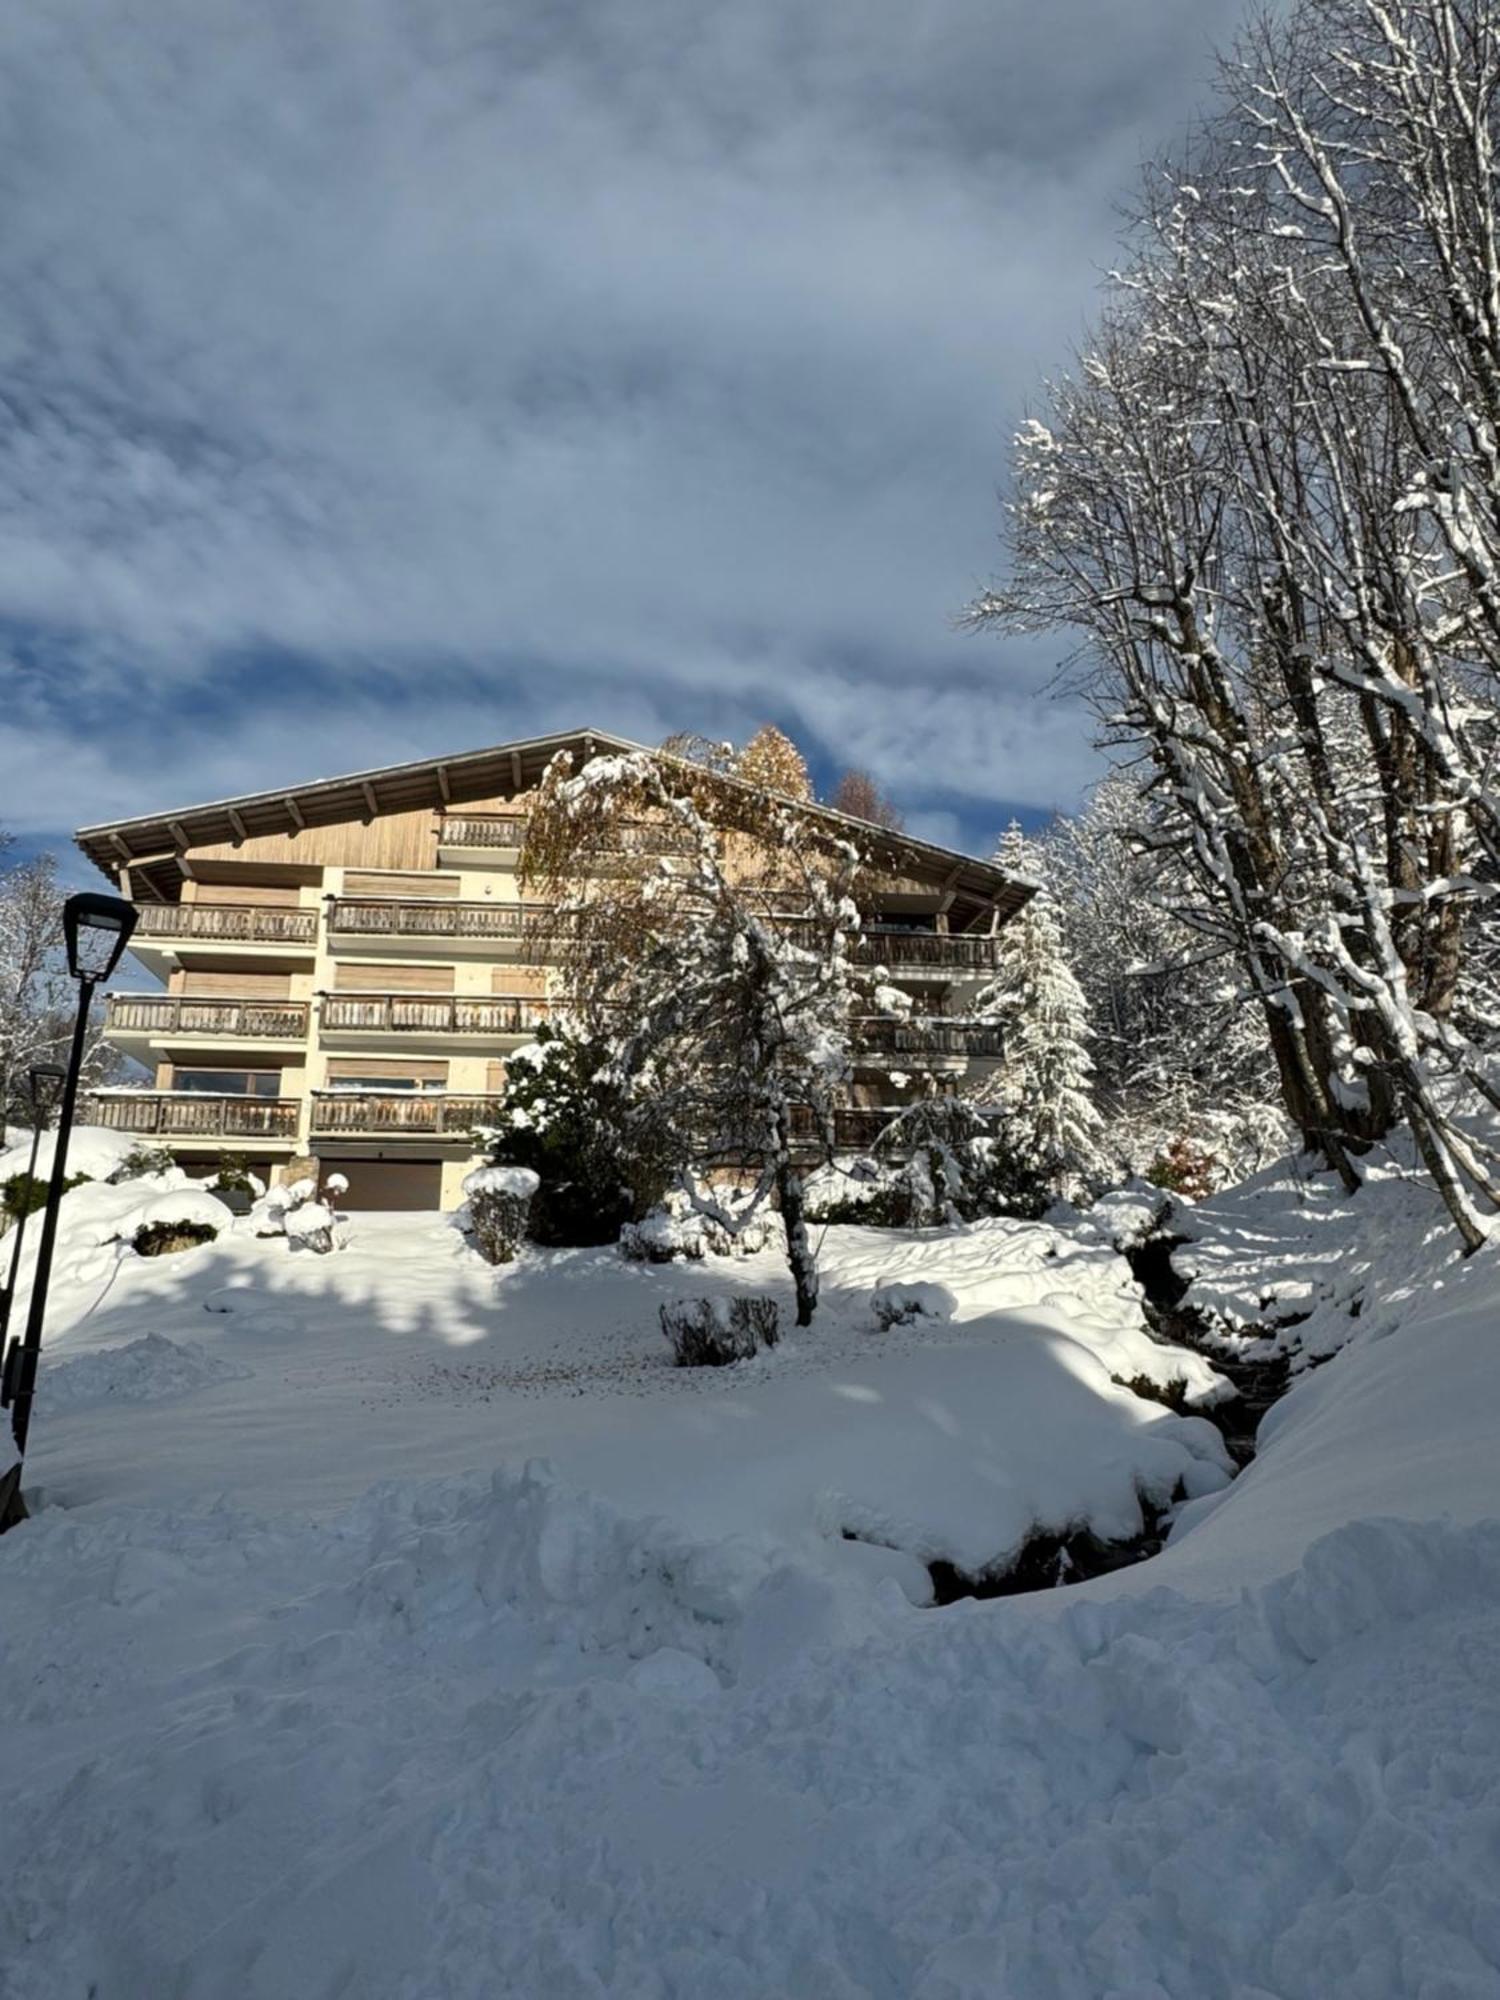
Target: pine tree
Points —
{"points": [[1044, 1085]]}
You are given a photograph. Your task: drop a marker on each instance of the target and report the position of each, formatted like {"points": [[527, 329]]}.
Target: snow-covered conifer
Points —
{"points": [[1044, 1084]]}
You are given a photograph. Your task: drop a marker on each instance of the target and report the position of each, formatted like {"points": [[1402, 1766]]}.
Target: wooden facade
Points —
{"points": [[344, 965]]}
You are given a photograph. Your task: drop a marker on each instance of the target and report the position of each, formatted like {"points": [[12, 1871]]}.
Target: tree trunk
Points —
{"points": [[799, 1252]]}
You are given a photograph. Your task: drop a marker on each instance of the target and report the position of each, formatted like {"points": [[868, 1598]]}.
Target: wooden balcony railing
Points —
{"points": [[856, 1127], [482, 830], [432, 1014], [361, 916], [184, 1015], [890, 944], [937, 950], [227, 923], [430, 1113], [929, 1038], [190, 1114], [507, 830]]}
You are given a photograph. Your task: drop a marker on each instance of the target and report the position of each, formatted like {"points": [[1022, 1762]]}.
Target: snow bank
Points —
{"points": [[646, 1723], [141, 1371], [92, 1150]]}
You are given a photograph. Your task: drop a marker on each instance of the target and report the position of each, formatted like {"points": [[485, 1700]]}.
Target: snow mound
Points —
{"points": [[93, 1150], [140, 1371], [899, 1305]]}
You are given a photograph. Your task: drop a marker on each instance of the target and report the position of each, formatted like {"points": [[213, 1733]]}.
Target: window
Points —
{"points": [[229, 1082]]}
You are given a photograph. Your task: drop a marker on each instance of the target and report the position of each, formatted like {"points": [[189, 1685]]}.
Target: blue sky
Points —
{"points": [[385, 377]]}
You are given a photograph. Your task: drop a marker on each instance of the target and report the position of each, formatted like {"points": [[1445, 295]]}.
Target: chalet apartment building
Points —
{"points": [[345, 965]]}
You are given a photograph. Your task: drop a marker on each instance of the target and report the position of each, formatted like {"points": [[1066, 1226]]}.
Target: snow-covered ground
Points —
{"points": [[396, 1626]]}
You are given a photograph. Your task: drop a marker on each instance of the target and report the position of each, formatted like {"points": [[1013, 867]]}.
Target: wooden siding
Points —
{"points": [[270, 895], [393, 840], [349, 978], [365, 882], [528, 979], [392, 1069], [237, 985]]}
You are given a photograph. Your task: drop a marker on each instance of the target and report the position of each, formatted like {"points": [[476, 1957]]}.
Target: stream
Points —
{"points": [[1049, 1561]]}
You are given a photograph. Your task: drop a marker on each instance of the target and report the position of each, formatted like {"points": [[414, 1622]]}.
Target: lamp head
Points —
{"points": [[44, 1083], [97, 929]]}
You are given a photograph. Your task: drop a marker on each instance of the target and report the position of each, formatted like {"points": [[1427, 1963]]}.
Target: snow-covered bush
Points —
{"points": [[951, 1173], [141, 1162], [566, 1117], [861, 1191], [164, 1239], [233, 1176], [499, 1201], [676, 1229], [295, 1212], [662, 1236], [713, 1333], [895, 1304], [24, 1194], [336, 1185]]}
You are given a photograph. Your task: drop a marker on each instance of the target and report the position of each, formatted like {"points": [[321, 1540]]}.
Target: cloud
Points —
{"points": [[640, 361]]}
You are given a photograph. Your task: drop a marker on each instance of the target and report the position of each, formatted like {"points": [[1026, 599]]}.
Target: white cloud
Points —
{"points": [[666, 349]]}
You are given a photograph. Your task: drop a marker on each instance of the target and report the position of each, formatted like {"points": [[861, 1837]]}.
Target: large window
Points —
{"points": [[229, 1082]]}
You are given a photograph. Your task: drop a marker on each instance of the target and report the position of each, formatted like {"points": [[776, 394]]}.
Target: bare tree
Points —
{"points": [[859, 797], [38, 999], [1270, 502]]}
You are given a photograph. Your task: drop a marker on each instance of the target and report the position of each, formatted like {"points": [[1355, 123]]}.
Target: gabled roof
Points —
{"points": [[503, 770]]}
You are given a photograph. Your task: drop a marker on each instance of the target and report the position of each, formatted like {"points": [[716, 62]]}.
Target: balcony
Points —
{"points": [[226, 923], [415, 1114], [927, 1039], [195, 1117], [491, 832], [434, 1016], [488, 928], [466, 834], [935, 953], [172, 1017]]}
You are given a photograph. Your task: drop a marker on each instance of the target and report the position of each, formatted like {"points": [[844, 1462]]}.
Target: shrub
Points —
{"points": [[25, 1194], [310, 1224], [233, 1176], [1186, 1168], [499, 1201], [164, 1239], [566, 1118], [901, 1305], [661, 1236], [715, 1333], [958, 1165], [141, 1161]]}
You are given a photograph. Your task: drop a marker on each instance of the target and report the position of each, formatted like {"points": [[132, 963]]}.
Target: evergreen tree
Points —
{"points": [[1044, 1084]]}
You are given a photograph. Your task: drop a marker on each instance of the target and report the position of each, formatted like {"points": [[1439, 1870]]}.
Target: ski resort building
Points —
{"points": [[345, 965]]}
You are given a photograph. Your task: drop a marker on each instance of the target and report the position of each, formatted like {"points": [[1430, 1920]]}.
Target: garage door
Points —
{"points": [[389, 1183]]}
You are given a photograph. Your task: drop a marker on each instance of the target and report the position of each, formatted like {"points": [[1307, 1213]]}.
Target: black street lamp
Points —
{"points": [[97, 929], [43, 1084]]}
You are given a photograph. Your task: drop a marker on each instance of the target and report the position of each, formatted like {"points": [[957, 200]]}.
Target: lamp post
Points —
{"points": [[96, 929], [42, 1086]]}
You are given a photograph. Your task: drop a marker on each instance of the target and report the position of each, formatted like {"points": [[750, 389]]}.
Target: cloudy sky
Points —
{"points": [[385, 377]]}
